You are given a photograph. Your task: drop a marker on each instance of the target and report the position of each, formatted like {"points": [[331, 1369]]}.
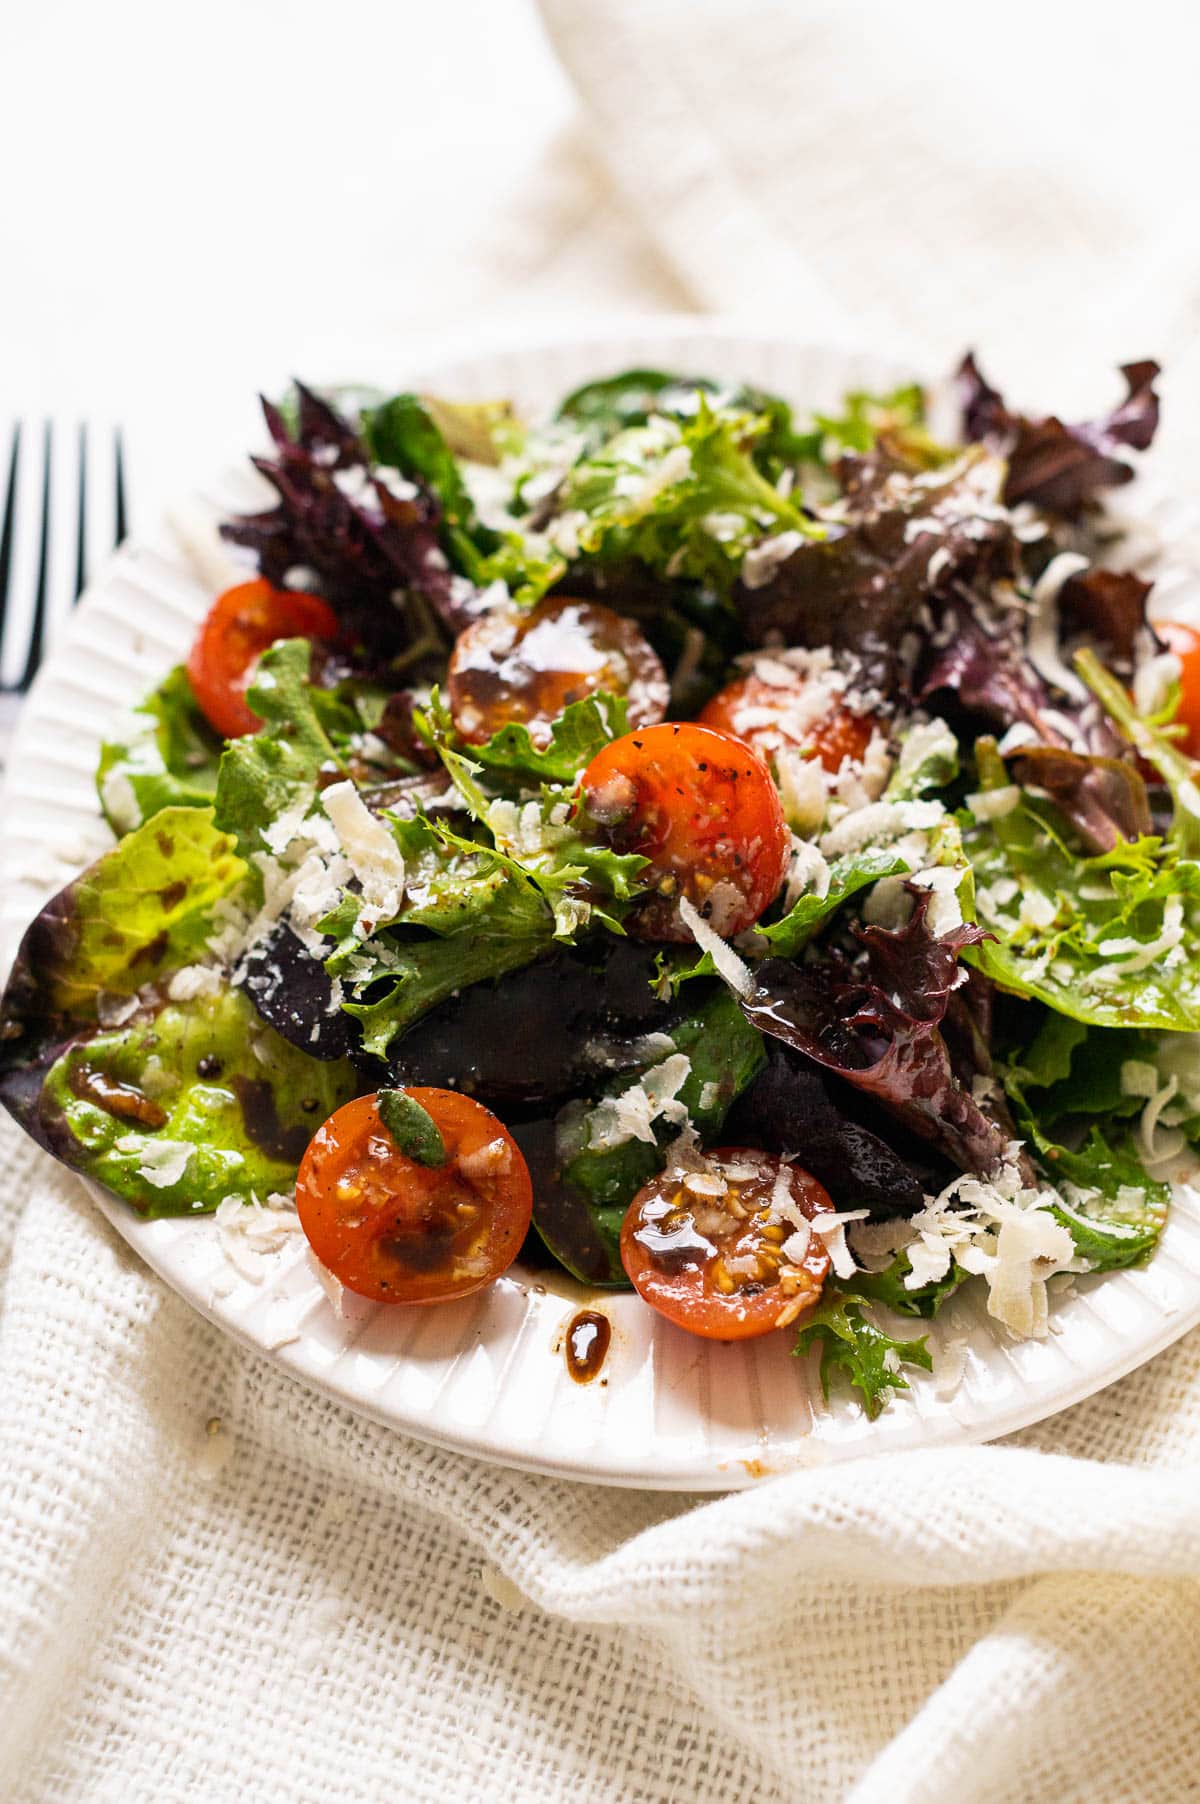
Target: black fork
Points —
{"points": [[64, 510]]}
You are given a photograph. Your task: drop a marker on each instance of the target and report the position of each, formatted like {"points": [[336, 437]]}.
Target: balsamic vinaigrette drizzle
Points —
{"points": [[586, 1343]]}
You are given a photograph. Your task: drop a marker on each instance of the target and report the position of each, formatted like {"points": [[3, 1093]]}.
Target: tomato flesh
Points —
{"points": [[1184, 641], [703, 808], [772, 715], [401, 1232], [725, 1251], [512, 666], [236, 631]]}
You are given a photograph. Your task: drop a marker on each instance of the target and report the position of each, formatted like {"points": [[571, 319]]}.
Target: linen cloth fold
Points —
{"points": [[215, 1585]]}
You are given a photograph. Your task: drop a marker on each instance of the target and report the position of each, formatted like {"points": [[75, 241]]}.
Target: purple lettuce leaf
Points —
{"points": [[983, 672], [1109, 606], [1105, 799], [850, 1146], [875, 1021], [1055, 465], [365, 543], [906, 540]]}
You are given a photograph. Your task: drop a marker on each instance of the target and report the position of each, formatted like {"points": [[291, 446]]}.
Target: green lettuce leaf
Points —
{"points": [[233, 1106], [475, 914], [848, 874], [264, 774], [165, 756], [888, 1287], [512, 759], [685, 499], [1076, 1069], [600, 410], [896, 418], [548, 837], [857, 1350], [140, 912], [1109, 940], [1112, 1207], [404, 435]]}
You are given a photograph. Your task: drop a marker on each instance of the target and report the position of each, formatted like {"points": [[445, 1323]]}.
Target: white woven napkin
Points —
{"points": [[216, 1586]]}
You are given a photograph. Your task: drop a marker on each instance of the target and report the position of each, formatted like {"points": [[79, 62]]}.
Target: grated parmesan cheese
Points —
{"points": [[994, 804], [373, 854], [250, 1233], [763, 560], [878, 823], [194, 980], [631, 1115], [801, 783], [729, 965], [164, 1162], [1042, 639]]}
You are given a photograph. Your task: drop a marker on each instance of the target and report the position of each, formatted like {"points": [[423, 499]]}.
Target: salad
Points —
{"points": [[747, 855]]}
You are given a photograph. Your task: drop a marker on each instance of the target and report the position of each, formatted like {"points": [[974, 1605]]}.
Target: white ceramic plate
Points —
{"points": [[487, 1375]]}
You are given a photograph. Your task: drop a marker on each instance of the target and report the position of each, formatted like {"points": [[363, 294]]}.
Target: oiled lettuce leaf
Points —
{"points": [[227, 1106], [581, 1200], [140, 912]]}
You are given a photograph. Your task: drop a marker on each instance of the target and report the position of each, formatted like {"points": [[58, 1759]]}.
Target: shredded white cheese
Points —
{"points": [[878, 823], [631, 1115], [994, 804], [763, 560], [374, 856], [195, 980], [729, 965], [1042, 640], [164, 1162]]}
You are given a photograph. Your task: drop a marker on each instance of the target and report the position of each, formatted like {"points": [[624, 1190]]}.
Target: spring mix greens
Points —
{"points": [[935, 944]]}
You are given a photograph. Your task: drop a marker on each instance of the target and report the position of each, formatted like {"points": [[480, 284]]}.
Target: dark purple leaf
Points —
{"points": [[798, 1110], [1055, 465], [289, 987], [1105, 799], [1110, 607], [910, 539], [577, 1015], [875, 1021], [983, 673], [366, 545]]}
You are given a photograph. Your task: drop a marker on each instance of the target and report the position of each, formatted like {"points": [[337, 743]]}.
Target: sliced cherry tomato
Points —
{"points": [[237, 629], [1184, 641], [509, 666], [702, 807], [771, 715], [399, 1231], [726, 1252]]}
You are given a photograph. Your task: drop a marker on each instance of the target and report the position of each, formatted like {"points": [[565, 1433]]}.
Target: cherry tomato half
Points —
{"points": [[400, 1232], [770, 715], [509, 666], [702, 807], [720, 1251], [1184, 641], [237, 629]]}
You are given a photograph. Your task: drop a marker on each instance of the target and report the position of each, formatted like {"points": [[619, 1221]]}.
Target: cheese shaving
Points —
{"points": [[729, 966], [373, 854]]}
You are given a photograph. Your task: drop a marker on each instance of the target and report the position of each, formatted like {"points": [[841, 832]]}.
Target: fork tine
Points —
{"points": [[25, 559], [37, 626], [122, 526], [6, 529], [81, 567]]}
